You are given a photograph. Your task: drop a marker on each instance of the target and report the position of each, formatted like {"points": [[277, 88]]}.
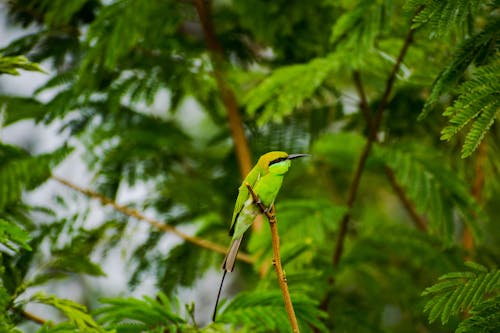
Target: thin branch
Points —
{"points": [[366, 110], [273, 224], [477, 189], [32, 317], [227, 95], [339, 246], [363, 101], [153, 222], [410, 208]]}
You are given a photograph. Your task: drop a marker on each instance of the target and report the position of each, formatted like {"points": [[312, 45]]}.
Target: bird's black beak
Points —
{"points": [[292, 156]]}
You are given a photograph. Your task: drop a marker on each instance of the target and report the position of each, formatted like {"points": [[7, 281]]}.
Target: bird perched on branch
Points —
{"points": [[265, 179]]}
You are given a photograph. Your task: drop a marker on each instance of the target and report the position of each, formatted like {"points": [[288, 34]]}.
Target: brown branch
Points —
{"points": [[410, 208], [227, 95], [363, 101], [273, 224], [155, 223], [34, 318], [339, 246], [477, 189], [366, 110]]}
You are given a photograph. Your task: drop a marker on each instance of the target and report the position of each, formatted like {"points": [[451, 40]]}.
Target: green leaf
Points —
{"points": [[478, 99], [10, 65], [460, 290], [76, 313], [143, 314], [288, 87], [13, 236]]}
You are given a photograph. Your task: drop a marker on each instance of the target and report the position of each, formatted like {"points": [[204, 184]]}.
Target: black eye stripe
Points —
{"points": [[277, 160]]}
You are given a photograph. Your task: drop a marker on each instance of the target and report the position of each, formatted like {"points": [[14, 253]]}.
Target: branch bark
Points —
{"points": [[153, 222], [273, 224], [227, 95], [417, 219], [477, 189], [32, 317], [339, 246]]}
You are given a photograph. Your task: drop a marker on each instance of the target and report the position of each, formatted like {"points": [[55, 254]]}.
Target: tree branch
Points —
{"points": [[155, 223], [273, 224], [477, 189], [363, 101], [418, 220], [227, 95], [339, 246], [366, 110], [31, 317]]}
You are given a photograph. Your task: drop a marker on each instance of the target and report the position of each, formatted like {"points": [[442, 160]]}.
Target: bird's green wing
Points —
{"points": [[243, 194]]}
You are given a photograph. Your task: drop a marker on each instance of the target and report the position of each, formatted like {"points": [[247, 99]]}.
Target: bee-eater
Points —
{"points": [[265, 179]]}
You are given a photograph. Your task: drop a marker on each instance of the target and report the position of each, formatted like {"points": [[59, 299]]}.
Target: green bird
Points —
{"points": [[265, 179]]}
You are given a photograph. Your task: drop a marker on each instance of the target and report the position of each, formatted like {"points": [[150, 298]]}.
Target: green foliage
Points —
{"points": [[132, 85], [287, 88], [10, 65], [459, 291], [11, 236], [264, 312], [76, 313], [134, 315], [441, 17], [478, 100], [19, 171], [436, 191], [484, 318]]}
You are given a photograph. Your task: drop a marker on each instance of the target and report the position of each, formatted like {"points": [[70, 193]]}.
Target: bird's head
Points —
{"points": [[277, 162]]}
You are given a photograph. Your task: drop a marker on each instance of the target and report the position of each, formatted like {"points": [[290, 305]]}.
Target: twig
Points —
{"points": [[34, 318], [339, 246], [155, 223], [273, 224], [366, 110], [477, 189], [363, 101], [227, 95], [410, 208]]}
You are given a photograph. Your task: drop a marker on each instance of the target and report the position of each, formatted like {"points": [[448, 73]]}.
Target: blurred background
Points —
{"points": [[164, 107]]}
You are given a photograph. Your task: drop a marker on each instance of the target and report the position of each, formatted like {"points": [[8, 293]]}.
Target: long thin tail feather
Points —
{"points": [[228, 264], [218, 296]]}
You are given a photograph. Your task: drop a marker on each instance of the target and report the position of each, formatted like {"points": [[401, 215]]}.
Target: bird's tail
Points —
{"points": [[218, 296], [227, 266]]}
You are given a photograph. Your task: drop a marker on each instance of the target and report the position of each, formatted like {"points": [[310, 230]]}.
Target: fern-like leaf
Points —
{"points": [[19, 171], [434, 189], [13, 237], [263, 311], [76, 313], [135, 315], [484, 318], [288, 87], [478, 46], [11, 65], [443, 15], [479, 99], [458, 291]]}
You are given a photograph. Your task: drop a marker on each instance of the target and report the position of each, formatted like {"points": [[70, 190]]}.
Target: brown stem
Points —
{"points": [[227, 95], [366, 110], [363, 101], [273, 224], [477, 189], [339, 246], [34, 318], [155, 223], [417, 219]]}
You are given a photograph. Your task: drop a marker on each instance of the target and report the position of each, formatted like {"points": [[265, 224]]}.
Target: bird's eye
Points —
{"points": [[280, 159]]}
